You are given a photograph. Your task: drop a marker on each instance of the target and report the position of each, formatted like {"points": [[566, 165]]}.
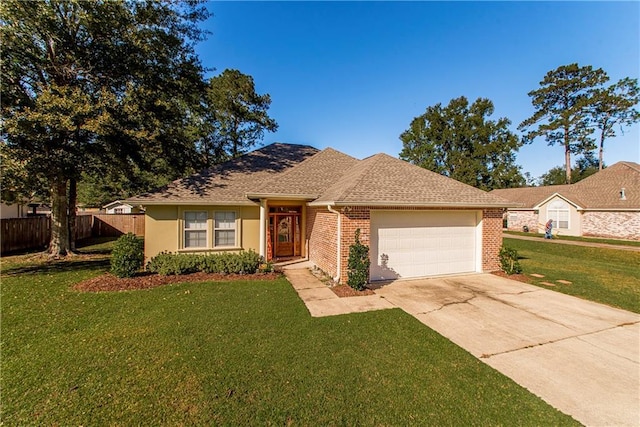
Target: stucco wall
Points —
{"points": [[620, 225], [163, 228], [575, 220]]}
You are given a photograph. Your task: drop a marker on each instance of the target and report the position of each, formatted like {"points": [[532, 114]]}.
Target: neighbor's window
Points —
{"points": [[118, 211], [224, 228], [558, 211], [195, 229]]}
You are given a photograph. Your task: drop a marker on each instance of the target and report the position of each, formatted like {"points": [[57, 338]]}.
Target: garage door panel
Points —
{"points": [[417, 244]]}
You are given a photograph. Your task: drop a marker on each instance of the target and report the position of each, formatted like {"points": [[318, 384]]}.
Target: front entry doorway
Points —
{"points": [[285, 231]]}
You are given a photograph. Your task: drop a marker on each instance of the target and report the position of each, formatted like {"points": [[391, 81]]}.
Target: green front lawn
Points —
{"points": [[608, 276], [578, 238], [234, 353]]}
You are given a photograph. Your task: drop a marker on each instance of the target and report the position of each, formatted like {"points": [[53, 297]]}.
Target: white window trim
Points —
{"points": [[185, 230], [236, 228], [554, 214], [210, 229]]}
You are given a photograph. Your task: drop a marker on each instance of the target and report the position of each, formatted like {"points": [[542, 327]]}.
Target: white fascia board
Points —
{"points": [[578, 207]]}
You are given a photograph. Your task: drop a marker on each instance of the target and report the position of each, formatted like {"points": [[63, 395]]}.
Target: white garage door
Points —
{"points": [[418, 244]]}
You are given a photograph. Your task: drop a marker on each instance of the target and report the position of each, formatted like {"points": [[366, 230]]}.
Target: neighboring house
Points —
{"points": [[606, 204], [286, 201], [120, 207], [13, 210]]}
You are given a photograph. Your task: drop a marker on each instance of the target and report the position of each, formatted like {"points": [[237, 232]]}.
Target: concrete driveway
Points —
{"points": [[581, 357]]}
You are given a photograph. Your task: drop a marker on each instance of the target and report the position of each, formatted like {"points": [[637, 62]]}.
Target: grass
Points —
{"points": [[231, 353], [578, 238], [607, 276]]}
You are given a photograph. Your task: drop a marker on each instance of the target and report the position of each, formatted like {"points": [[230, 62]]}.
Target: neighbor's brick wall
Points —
{"points": [[518, 219], [491, 239], [322, 235], [620, 225]]}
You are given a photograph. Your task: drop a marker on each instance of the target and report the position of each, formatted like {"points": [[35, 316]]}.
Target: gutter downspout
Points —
{"points": [[338, 252]]}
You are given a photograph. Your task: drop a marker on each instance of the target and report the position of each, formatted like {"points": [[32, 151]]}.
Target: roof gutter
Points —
{"points": [[420, 205], [339, 239], [281, 196], [190, 203]]}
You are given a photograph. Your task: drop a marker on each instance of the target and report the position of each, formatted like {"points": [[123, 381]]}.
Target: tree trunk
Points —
{"points": [[59, 245], [601, 153], [73, 196], [567, 156]]}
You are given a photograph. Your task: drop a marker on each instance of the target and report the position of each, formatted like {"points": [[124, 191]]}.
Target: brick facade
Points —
{"points": [[616, 225], [322, 235], [619, 225], [322, 226], [491, 239], [516, 220]]}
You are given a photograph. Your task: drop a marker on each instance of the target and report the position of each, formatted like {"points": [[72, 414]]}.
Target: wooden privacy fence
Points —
{"points": [[109, 225], [19, 234]]}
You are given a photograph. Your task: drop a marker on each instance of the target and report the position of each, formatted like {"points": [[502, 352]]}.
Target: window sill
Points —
{"points": [[218, 249]]}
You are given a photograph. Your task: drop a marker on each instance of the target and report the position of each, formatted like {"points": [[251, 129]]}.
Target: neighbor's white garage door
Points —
{"points": [[408, 244]]}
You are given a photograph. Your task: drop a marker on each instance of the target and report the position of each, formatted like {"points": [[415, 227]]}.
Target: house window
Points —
{"points": [[224, 229], [558, 211], [195, 229], [118, 211]]}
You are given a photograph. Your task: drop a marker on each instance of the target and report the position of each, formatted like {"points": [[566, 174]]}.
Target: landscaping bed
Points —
{"points": [[344, 291], [109, 283]]}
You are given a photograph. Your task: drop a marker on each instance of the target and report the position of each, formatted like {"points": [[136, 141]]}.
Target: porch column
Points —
{"points": [[263, 228]]}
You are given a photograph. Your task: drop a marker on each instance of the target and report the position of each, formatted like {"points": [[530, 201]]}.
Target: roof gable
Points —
{"points": [[116, 203], [602, 190]]}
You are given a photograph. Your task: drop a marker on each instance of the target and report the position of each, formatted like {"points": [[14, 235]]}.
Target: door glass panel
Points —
{"points": [[284, 230]]}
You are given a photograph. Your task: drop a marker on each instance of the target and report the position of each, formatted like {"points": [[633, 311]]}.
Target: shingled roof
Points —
{"points": [[229, 182], [601, 190], [300, 172], [310, 178], [382, 180]]}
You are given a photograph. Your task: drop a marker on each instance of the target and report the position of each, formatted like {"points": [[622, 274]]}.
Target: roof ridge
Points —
{"points": [[633, 165], [360, 171]]}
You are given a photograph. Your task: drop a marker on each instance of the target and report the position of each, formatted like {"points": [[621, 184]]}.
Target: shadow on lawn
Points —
{"points": [[80, 262]]}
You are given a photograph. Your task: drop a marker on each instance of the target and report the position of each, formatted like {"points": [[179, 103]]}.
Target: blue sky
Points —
{"points": [[352, 75]]}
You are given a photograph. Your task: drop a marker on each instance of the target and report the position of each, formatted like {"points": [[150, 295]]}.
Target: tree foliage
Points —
{"points": [[561, 110], [90, 87], [237, 116], [585, 166], [459, 141], [614, 105], [358, 264]]}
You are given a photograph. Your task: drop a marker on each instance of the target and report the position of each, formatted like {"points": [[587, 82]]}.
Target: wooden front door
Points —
{"points": [[284, 235]]}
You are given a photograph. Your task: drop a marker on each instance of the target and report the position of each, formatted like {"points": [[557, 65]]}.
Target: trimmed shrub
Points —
{"points": [[165, 264], [358, 264], [127, 256], [509, 260]]}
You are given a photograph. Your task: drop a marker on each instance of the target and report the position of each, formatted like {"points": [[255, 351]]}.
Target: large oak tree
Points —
{"points": [[93, 86], [460, 141]]}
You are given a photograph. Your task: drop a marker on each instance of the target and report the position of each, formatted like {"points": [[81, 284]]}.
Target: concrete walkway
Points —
{"points": [[321, 301], [573, 242]]}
